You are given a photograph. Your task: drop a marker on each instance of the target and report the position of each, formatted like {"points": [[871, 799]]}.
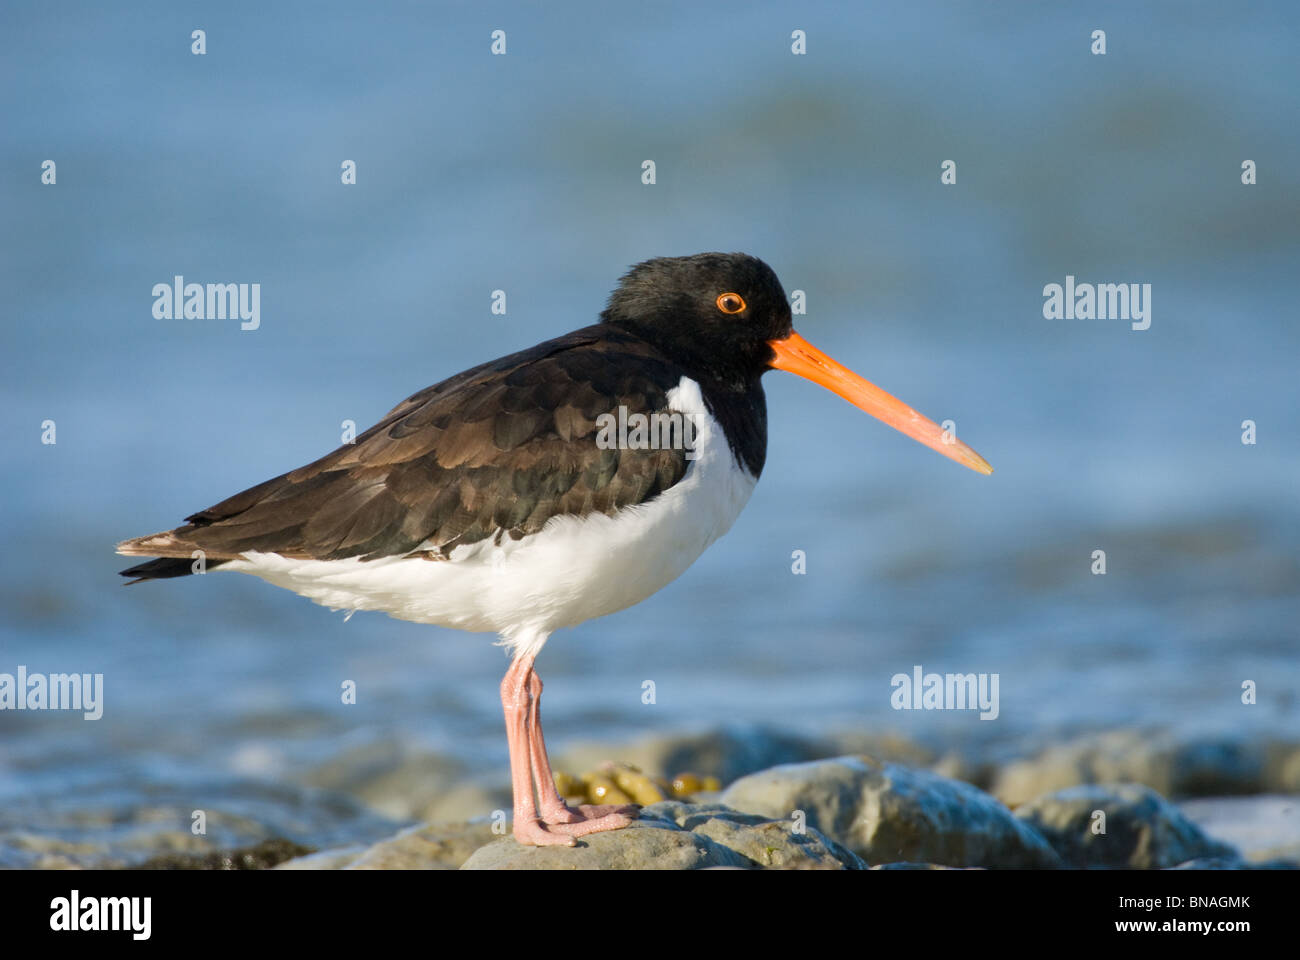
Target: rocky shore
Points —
{"points": [[1123, 799], [735, 797]]}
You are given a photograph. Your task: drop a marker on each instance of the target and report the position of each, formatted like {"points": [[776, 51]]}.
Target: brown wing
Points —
{"points": [[495, 451]]}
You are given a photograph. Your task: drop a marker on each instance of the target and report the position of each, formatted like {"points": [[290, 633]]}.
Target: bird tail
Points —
{"points": [[174, 557]]}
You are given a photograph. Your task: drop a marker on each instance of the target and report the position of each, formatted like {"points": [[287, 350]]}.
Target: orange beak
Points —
{"points": [[796, 355]]}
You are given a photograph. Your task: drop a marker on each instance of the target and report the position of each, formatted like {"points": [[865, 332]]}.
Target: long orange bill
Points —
{"points": [[796, 355]]}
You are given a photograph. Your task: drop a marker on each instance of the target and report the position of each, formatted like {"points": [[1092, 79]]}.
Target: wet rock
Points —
{"points": [[1142, 829], [1171, 765], [888, 813], [260, 856], [726, 753]]}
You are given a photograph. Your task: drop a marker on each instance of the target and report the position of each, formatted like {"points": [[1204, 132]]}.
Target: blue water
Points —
{"points": [[522, 173]]}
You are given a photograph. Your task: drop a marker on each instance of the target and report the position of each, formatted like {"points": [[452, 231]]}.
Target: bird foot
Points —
{"points": [[561, 826]]}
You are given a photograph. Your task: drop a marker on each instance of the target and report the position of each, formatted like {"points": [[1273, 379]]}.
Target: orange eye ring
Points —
{"points": [[730, 302]]}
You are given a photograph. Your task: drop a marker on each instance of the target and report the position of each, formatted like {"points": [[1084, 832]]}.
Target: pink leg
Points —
{"points": [[555, 813], [515, 699], [521, 691]]}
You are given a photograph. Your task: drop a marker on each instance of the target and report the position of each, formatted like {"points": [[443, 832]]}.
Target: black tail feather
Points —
{"points": [[164, 568]]}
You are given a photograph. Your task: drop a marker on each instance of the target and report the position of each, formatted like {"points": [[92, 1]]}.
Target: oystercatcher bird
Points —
{"points": [[540, 490]]}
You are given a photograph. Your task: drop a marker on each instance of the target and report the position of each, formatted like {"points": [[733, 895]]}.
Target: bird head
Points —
{"points": [[726, 316]]}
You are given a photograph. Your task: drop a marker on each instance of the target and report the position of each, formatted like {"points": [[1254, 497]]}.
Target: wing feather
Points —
{"points": [[497, 450]]}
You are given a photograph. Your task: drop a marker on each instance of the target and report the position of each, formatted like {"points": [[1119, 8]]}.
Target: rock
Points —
{"points": [[958, 766], [726, 753], [647, 844], [887, 813], [259, 856], [1143, 830], [434, 847], [679, 836], [1211, 767], [955, 764], [1215, 863], [889, 747], [764, 842], [672, 835], [905, 865], [1264, 828], [429, 847], [1171, 765]]}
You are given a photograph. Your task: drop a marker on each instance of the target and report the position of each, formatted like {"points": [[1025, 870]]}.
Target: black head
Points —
{"points": [[713, 313]]}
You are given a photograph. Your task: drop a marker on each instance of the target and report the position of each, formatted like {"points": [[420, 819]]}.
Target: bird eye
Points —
{"points": [[731, 303]]}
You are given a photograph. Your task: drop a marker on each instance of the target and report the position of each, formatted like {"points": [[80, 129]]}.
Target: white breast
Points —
{"points": [[573, 570]]}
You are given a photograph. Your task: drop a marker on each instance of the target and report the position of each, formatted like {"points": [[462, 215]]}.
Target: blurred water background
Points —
{"points": [[522, 172]]}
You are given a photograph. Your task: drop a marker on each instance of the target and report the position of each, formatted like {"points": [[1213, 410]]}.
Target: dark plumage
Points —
{"points": [[502, 448]]}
